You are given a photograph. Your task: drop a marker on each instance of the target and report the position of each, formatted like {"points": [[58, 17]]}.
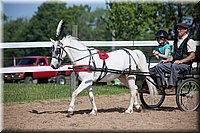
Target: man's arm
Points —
{"points": [[189, 58]]}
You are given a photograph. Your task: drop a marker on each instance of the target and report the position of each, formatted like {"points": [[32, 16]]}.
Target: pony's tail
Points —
{"points": [[142, 64]]}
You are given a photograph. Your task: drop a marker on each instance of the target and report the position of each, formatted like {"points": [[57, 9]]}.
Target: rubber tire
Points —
{"points": [[179, 90], [143, 101], [60, 79], [28, 80]]}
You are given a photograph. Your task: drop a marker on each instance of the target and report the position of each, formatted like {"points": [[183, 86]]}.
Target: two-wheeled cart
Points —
{"points": [[186, 91]]}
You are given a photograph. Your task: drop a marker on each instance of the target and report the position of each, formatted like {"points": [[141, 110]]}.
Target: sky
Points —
{"points": [[21, 8], [25, 8]]}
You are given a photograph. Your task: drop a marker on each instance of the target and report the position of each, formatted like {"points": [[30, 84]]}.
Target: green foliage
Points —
{"points": [[34, 92], [197, 21], [42, 25], [14, 30], [130, 20]]}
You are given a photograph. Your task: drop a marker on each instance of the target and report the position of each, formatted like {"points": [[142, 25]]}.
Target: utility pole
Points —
{"points": [[75, 30], [113, 38]]}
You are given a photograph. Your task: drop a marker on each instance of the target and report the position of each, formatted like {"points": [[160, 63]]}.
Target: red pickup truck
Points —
{"points": [[42, 77]]}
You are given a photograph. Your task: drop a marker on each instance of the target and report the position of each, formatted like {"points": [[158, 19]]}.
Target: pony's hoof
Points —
{"points": [[93, 113], [129, 111], [69, 114], [138, 109]]}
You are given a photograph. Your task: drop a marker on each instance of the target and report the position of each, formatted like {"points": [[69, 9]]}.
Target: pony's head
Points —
{"points": [[58, 54], [57, 50], [60, 47]]}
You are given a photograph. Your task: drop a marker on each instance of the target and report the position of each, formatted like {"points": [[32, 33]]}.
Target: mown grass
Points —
{"points": [[33, 92]]}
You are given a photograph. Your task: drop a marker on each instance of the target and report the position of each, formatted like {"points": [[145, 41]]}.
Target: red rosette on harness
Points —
{"points": [[103, 55]]}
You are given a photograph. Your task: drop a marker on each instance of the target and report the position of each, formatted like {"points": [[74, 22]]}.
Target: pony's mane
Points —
{"points": [[70, 39]]}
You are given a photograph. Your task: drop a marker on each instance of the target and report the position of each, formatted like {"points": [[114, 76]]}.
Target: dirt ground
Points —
{"points": [[51, 115]]}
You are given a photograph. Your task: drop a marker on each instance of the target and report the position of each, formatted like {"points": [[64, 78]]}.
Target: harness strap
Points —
{"points": [[91, 59], [82, 68], [104, 70], [84, 57], [130, 56]]}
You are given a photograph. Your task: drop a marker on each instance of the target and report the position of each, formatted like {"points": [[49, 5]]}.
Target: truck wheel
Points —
{"points": [[60, 79], [28, 80]]}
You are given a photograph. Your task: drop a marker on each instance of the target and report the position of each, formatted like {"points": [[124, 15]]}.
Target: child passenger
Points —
{"points": [[163, 51]]}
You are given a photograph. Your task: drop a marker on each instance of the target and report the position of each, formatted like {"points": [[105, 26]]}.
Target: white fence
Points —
{"points": [[87, 43], [49, 44]]}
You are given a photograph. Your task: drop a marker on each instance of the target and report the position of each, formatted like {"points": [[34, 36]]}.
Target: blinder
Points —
{"points": [[58, 53]]}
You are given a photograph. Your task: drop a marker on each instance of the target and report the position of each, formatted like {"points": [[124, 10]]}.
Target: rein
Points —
{"points": [[104, 70], [63, 48]]}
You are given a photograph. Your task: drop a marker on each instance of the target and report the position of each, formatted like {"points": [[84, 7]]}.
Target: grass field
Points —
{"points": [[32, 92]]}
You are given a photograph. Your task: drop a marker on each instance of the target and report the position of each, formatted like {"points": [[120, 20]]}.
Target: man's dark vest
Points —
{"points": [[181, 52]]}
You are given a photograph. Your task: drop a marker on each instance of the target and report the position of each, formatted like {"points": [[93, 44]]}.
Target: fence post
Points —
{"points": [[14, 61], [73, 74], [72, 82], [113, 38]]}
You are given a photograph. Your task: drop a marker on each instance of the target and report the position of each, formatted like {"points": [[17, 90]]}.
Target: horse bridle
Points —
{"points": [[60, 50]]}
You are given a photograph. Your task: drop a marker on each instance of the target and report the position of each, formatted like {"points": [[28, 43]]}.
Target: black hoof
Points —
{"points": [[69, 114], [138, 110]]}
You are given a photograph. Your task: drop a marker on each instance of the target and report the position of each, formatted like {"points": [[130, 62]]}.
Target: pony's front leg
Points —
{"points": [[133, 90], [91, 97], [84, 84]]}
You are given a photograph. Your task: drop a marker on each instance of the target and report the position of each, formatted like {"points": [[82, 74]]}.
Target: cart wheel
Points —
{"points": [[187, 96], [150, 101]]}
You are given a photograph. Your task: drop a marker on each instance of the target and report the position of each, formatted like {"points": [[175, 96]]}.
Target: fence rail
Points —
{"points": [[87, 43], [64, 68]]}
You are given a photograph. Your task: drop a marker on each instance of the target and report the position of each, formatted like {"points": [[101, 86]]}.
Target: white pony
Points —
{"points": [[121, 60]]}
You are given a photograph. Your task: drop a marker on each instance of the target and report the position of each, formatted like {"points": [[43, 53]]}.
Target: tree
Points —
{"points": [[14, 30], [42, 25], [195, 28], [5, 18], [130, 20]]}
